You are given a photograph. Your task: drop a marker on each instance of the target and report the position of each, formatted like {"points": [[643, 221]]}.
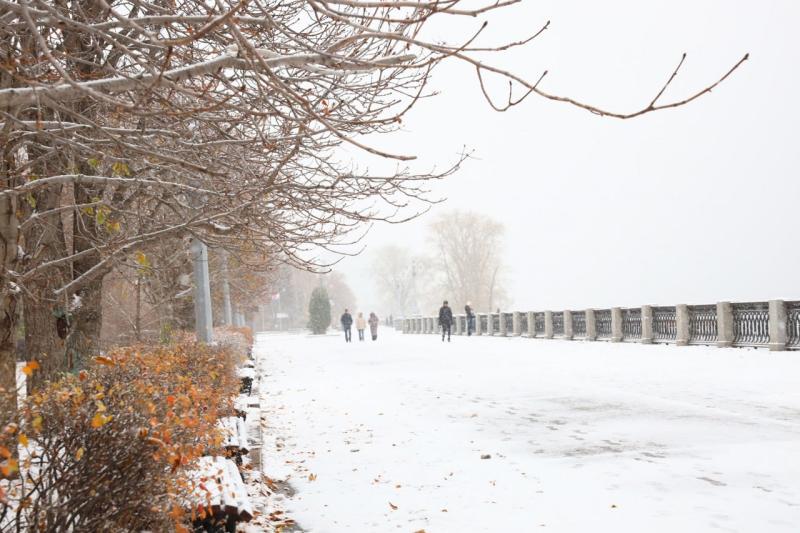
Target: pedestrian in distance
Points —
{"points": [[470, 318], [347, 323], [373, 325], [445, 320], [361, 325]]}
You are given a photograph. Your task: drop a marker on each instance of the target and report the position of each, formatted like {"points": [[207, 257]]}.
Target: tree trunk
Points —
{"points": [[9, 236], [9, 246], [45, 323], [87, 321], [46, 315]]}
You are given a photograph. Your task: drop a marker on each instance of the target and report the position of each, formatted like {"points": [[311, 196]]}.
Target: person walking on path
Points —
{"points": [[361, 325], [470, 319], [373, 325], [347, 323], [445, 320]]}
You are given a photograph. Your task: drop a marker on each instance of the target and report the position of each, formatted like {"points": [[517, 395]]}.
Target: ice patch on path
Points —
{"points": [[389, 436]]}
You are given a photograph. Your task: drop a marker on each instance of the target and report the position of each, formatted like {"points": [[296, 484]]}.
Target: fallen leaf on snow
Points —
{"points": [[312, 477], [393, 506], [486, 456]]}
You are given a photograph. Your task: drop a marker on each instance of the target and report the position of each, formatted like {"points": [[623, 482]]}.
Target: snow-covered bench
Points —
{"points": [[247, 375], [219, 497], [234, 431], [242, 403]]}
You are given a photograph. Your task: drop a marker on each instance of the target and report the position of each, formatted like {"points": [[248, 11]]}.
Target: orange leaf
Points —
{"points": [[171, 400], [9, 467], [30, 367], [4, 452], [104, 360], [79, 453], [23, 439], [99, 420]]}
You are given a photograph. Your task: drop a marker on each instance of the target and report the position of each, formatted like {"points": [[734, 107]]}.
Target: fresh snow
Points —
{"points": [[583, 437]]}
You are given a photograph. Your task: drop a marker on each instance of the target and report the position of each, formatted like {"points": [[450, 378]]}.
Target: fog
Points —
{"points": [[691, 205]]}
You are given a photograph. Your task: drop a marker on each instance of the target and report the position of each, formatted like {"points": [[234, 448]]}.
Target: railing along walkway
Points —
{"points": [[773, 324]]}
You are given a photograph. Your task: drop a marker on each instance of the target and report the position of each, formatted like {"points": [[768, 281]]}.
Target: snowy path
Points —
{"points": [[583, 437]]}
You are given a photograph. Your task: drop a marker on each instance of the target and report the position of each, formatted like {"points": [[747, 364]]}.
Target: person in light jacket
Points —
{"points": [[373, 325], [361, 325]]}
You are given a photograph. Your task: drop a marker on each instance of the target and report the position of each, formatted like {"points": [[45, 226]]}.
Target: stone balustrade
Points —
{"points": [[774, 324]]}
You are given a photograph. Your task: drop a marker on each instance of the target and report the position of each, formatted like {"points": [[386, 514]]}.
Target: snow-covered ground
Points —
{"points": [[582, 437]]}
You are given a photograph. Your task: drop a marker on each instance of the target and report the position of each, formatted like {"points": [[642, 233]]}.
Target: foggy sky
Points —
{"points": [[693, 205]]}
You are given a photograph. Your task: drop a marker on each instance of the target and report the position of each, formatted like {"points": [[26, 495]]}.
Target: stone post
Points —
{"points": [[777, 325], [457, 324], [591, 325], [516, 326], [616, 324], [433, 325], [531, 324], [682, 333], [489, 324], [502, 321], [647, 324], [478, 330], [724, 325], [548, 324], [203, 320], [569, 332], [419, 325], [406, 326]]}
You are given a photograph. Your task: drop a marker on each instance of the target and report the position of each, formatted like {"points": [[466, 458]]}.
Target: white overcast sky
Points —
{"points": [[693, 205]]}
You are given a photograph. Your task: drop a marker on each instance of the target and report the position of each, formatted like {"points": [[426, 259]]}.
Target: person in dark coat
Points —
{"points": [[347, 323], [470, 318], [445, 320], [373, 325]]}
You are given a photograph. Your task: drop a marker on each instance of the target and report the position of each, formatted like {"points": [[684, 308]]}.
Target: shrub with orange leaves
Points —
{"points": [[238, 338], [108, 449], [247, 332]]}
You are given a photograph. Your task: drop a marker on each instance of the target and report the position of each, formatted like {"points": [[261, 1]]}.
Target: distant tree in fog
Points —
{"points": [[295, 286], [319, 311], [469, 259], [400, 277]]}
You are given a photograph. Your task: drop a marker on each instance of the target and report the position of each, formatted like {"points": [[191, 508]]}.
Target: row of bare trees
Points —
{"points": [[129, 127]]}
